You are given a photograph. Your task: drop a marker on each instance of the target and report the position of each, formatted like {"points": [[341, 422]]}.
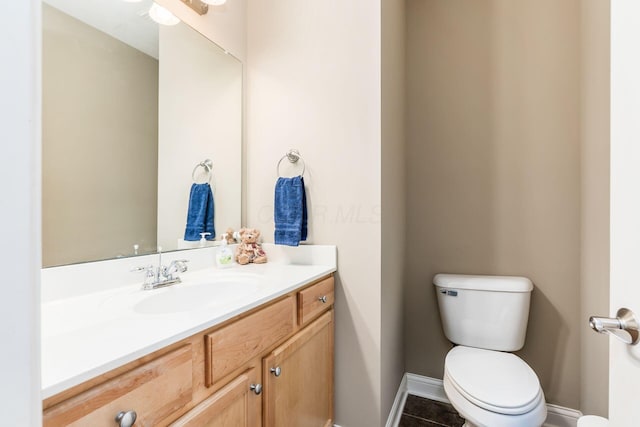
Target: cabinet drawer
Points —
{"points": [[314, 300], [154, 390], [232, 346]]}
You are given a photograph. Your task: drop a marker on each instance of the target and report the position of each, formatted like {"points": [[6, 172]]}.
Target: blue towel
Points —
{"points": [[290, 211], [200, 213]]}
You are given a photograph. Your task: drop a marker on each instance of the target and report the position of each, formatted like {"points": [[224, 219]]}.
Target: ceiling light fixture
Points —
{"points": [[200, 6], [162, 16]]}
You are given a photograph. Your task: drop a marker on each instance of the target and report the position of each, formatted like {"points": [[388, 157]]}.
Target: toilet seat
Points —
{"points": [[495, 381], [493, 389], [479, 417]]}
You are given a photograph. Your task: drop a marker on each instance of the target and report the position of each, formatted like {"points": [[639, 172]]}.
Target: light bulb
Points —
{"points": [[215, 2], [162, 15]]}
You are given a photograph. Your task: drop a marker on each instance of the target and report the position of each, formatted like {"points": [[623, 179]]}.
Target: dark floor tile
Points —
{"points": [[411, 421], [432, 410]]}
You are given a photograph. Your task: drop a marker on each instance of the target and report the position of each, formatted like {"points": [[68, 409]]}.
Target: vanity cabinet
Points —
{"points": [[270, 366], [299, 378]]}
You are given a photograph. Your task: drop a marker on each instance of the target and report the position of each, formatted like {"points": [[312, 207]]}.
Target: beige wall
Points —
{"points": [[200, 118], [225, 25], [594, 372], [84, 140], [313, 83], [393, 199], [493, 160]]}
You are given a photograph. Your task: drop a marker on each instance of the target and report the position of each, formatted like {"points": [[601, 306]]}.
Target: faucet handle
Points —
{"points": [[145, 268], [149, 275], [181, 265], [176, 266]]}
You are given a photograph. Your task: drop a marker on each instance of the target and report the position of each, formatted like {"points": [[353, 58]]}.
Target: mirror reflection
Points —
{"points": [[130, 108]]}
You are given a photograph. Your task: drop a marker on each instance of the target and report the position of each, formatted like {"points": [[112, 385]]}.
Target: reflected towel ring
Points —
{"points": [[293, 156], [208, 167]]}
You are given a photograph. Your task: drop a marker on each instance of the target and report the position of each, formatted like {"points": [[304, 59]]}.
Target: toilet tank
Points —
{"points": [[489, 312]]}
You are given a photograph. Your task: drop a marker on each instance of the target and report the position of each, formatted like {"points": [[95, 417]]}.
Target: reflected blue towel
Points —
{"points": [[290, 211], [200, 213]]}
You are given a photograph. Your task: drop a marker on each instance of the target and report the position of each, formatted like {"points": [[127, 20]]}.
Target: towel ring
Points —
{"points": [[293, 156], [208, 167]]}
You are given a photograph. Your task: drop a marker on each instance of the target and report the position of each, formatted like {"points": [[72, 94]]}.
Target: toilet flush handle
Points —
{"points": [[624, 326]]}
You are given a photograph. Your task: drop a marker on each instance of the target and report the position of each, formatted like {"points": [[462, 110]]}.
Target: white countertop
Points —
{"points": [[92, 333]]}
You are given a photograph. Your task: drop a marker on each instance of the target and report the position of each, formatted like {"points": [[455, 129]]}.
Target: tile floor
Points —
{"points": [[421, 412]]}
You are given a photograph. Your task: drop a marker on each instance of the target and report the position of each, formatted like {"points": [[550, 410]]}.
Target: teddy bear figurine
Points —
{"points": [[249, 250], [229, 236]]}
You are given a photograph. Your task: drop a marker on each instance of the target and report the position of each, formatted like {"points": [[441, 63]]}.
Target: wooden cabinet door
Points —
{"points": [[234, 405], [301, 395]]}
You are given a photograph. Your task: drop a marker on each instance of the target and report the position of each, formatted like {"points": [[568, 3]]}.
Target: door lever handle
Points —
{"points": [[624, 326]]}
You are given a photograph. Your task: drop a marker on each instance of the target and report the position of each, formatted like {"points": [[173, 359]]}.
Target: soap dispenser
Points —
{"points": [[203, 239], [224, 256]]}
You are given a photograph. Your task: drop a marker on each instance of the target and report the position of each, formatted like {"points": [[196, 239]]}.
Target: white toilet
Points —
{"points": [[486, 316]]}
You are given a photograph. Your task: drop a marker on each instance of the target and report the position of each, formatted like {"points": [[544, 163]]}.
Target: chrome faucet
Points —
{"points": [[161, 276]]}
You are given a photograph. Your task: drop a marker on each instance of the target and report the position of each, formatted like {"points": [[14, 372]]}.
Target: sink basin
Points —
{"points": [[191, 297]]}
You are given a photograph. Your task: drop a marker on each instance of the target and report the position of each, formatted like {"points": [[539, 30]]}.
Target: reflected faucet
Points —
{"points": [[161, 276]]}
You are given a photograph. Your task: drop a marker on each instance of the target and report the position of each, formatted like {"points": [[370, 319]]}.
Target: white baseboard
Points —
{"points": [[558, 416], [398, 404], [431, 388]]}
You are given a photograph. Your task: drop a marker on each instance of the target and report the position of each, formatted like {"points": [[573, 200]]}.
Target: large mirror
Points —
{"points": [[130, 111]]}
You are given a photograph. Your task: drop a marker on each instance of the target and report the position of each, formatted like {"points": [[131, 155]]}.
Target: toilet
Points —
{"points": [[486, 318]]}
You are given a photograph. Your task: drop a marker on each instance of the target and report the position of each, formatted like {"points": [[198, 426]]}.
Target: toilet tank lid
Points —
{"points": [[483, 283]]}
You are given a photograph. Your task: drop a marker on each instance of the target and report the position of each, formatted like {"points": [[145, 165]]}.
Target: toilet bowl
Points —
{"points": [[493, 389], [486, 317]]}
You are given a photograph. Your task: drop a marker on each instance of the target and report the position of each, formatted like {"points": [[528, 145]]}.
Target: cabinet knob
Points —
{"points": [[126, 418], [323, 298], [276, 371], [257, 388]]}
